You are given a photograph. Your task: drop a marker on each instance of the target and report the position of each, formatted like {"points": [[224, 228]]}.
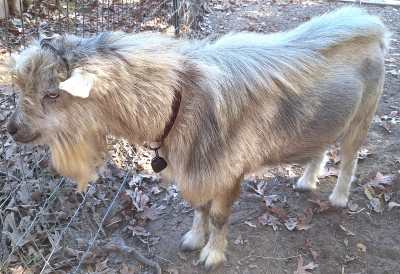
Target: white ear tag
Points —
{"points": [[79, 84]]}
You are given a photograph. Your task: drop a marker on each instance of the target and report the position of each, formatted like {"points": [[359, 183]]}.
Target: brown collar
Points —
{"points": [[175, 110], [158, 163]]}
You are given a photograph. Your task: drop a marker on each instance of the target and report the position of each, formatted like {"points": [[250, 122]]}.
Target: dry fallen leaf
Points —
{"points": [[270, 199], [352, 206], [239, 240], [102, 267], [279, 212], [348, 258], [387, 196], [393, 205], [387, 126], [363, 154], [149, 213], [138, 231], [268, 219], [139, 198], [304, 220], [170, 270], [381, 181], [125, 269], [19, 270], [14, 232], [291, 223], [302, 269], [156, 190], [374, 202], [369, 192], [328, 172], [314, 253], [376, 205], [322, 205], [260, 187]]}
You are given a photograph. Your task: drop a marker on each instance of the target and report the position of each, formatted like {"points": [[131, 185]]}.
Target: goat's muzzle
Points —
{"points": [[21, 133]]}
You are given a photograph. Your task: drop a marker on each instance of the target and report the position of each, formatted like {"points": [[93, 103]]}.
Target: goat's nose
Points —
{"points": [[12, 127]]}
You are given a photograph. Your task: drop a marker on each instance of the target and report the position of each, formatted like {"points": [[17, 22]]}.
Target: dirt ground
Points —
{"points": [[372, 244], [273, 229]]}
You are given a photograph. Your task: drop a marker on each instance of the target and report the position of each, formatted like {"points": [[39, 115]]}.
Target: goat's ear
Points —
{"points": [[79, 84]]}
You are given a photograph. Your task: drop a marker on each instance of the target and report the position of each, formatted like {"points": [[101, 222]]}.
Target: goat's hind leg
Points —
{"points": [[352, 141], [341, 192], [349, 147]]}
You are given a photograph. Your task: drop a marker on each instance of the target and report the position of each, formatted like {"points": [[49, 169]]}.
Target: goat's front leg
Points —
{"points": [[310, 177], [195, 238], [213, 254]]}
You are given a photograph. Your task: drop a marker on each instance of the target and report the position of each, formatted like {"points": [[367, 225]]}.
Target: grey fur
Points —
{"points": [[248, 100]]}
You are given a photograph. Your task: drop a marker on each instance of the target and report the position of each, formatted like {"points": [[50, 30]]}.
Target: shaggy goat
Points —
{"points": [[219, 109]]}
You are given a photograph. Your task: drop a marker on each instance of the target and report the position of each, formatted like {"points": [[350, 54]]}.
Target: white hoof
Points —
{"points": [[193, 240], [338, 200], [303, 184], [212, 258]]}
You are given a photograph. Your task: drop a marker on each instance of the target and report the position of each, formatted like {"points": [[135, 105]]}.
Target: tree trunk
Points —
{"points": [[16, 7], [198, 7], [3, 9], [11, 7]]}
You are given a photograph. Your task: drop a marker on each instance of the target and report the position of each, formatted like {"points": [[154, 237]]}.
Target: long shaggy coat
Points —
{"points": [[248, 100]]}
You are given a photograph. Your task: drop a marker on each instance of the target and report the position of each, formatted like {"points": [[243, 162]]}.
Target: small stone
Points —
{"points": [[361, 248], [2, 118]]}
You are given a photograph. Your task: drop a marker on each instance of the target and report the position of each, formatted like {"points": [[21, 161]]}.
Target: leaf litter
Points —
{"points": [[378, 190], [304, 269], [277, 216]]}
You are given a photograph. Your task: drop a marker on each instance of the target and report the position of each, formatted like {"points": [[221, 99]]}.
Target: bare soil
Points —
{"points": [[272, 227]]}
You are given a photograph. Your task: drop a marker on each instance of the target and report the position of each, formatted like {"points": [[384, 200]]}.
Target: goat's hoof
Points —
{"points": [[305, 185], [338, 200], [212, 258], [192, 241]]}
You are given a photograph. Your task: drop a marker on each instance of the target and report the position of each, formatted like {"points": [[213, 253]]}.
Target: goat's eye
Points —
{"points": [[52, 95]]}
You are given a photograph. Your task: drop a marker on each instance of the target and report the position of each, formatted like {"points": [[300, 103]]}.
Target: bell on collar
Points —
{"points": [[158, 163]]}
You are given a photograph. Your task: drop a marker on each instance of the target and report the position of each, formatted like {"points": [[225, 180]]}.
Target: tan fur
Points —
{"points": [[248, 100]]}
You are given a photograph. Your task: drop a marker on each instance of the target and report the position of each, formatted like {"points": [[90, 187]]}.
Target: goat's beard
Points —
{"points": [[79, 157]]}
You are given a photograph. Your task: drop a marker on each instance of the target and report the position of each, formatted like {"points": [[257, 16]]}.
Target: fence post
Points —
{"points": [[176, 16]]}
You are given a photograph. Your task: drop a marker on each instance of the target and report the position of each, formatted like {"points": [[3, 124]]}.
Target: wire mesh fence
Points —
{"points": [[85, 17], [30, 194]]}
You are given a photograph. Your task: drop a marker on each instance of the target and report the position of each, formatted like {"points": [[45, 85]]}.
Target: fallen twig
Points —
{"points": [[357, 212], [268, 258], [120, 246]]}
